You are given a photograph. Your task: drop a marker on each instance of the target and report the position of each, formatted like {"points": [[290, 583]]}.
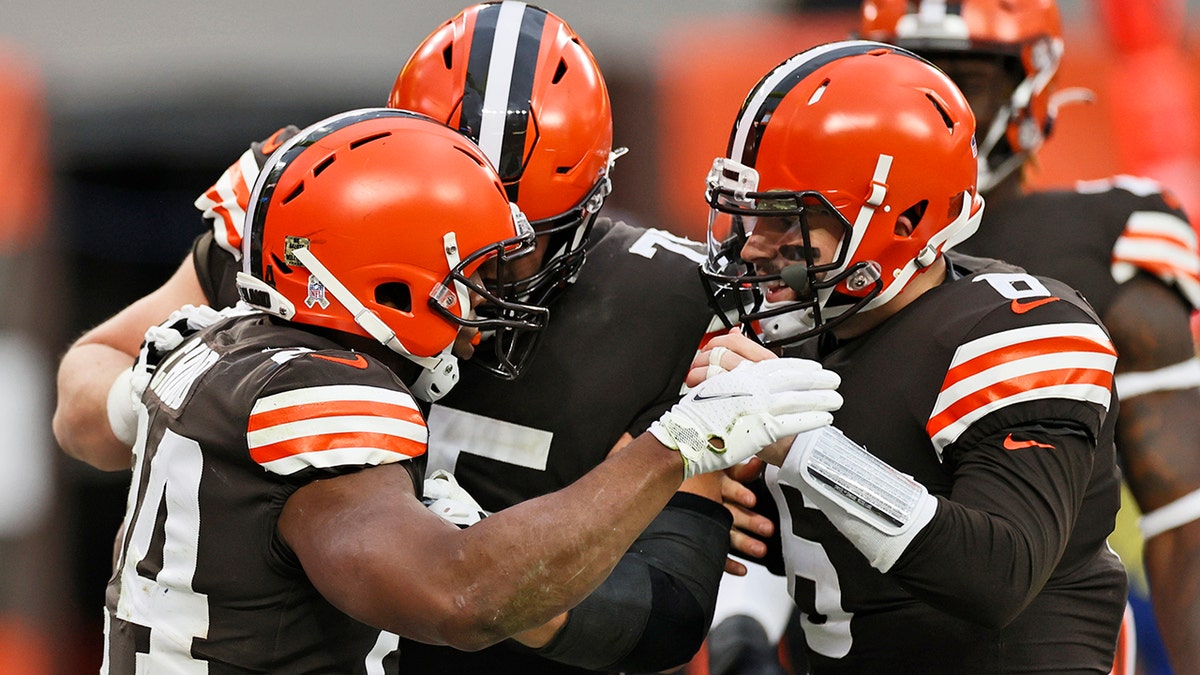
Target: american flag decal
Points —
{"points": [[334, 426], [1064, 361]]}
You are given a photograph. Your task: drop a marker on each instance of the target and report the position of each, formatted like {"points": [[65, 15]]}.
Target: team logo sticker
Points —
{"points": [[316, 293]]}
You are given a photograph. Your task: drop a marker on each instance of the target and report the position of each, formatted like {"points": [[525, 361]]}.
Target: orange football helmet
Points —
{"points": [[518, 81], [1028, 32], [372, 222], [860, 131]]}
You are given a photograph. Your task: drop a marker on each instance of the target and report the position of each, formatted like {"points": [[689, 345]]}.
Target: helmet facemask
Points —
{"points": [[348, 233], [511, 324], [736, 210]]}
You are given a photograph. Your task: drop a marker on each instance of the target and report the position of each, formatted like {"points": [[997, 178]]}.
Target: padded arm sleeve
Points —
{"points": [[654, 610]]}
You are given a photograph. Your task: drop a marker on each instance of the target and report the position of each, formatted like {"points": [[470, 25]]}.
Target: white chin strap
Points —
{"points": [[961, 228], [439, 374]]}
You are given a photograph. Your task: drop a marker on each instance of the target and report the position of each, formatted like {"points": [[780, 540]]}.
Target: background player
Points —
{"points": [[971, 538], [1124, 242]]}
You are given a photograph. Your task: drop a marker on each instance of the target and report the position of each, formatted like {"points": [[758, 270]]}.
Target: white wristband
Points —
{"points": [[122, 417], [1176, 514], [1182, 375]]}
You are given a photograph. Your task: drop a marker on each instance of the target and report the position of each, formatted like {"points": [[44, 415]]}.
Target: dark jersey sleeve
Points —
{"points": [[1012, 510], [216, 270], [1034, 441]]}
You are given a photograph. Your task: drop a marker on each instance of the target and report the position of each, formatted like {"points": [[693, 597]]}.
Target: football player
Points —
{"points": [[274, 522], [626, 324], [954, 518], [1123, 242]]}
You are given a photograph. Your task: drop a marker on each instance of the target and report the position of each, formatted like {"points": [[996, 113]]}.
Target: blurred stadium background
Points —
{"points": [[114, 116]]}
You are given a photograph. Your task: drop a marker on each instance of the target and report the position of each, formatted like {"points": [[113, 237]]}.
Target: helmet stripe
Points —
{"points": [[478, 64], [769, 93], [268, 177], [500, 75]]}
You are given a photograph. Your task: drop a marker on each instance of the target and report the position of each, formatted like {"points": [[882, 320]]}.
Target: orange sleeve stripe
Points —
{"points": [[1048, 379], [406, 447], [307, 411], [1161, 269], [1158, 235], [1030, 348]]}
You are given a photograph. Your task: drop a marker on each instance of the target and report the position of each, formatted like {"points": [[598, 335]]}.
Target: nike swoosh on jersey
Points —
{"points": [[357, 362], [1072, 361], [1011, 443], [1019, 307], [335, 425]]}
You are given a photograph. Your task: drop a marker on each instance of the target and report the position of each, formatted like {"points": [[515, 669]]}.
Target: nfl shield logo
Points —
{"points": [[316, 293]]}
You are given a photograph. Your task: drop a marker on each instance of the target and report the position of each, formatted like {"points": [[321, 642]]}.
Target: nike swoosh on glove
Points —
{"points": [[726, 419]]}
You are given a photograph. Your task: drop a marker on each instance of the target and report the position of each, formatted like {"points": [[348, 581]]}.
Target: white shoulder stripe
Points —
{"points": [[1162, 223], [1156, 252], [336, 424], [1016, 336], [333, 393], [1015, 370], [1079, 392]]}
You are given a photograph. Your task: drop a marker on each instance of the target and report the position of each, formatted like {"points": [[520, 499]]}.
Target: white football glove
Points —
{"points": [[444, 496], [735, 414], [125, 394], [877, 507]]}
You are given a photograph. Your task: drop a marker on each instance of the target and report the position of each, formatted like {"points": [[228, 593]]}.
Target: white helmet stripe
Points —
{"points": [[770, 90], [495, 100]]}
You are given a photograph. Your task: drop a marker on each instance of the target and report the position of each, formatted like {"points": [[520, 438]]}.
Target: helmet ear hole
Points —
{"points": [[910, 218], [394, 294]]}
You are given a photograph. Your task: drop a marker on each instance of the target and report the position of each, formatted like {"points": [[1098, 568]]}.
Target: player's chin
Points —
{"points": [[464, 347]]}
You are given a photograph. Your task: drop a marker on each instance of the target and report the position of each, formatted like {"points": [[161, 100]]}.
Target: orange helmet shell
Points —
{"points": [[828, 131], [517, 80], [372, 194]]}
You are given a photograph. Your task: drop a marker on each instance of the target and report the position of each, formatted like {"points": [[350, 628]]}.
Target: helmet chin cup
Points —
{"points": [[435, 382], [782, 328]]}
